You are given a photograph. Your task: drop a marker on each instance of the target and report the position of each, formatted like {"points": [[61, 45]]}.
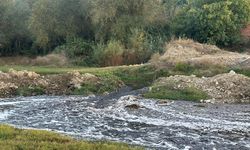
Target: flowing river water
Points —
{"points": [[179, 125]]}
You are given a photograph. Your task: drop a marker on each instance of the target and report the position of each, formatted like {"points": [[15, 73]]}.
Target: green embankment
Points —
{"points": [[134, 76], [137, 76], [18, 139], [168, 92]]}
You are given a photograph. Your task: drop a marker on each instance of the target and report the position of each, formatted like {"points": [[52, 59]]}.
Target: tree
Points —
{"points": [[213, 21], [54, 21], [14, 34], [115, 19]]}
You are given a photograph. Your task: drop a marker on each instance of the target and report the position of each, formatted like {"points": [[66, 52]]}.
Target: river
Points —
{"points": [[179, 125]]}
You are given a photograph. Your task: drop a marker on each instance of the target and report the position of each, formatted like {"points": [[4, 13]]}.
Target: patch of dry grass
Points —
{"points": [[58, 60], [51, 60], [196, 54]]}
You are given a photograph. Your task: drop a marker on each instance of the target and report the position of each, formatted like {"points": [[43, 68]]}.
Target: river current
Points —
{"points": [[177, 125]]}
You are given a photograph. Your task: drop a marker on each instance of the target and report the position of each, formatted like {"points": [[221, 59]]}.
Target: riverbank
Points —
{"points": [[101, 81], [12, 138], [31, 81], [189, 63]]}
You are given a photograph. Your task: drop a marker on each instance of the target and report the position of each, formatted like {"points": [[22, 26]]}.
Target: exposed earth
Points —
{"points": [[14, 82], [223, 88], [201, 55]]}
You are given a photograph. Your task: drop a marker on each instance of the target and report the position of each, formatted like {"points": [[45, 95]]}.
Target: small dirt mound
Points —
{"points": [[194, 53], [223, 88], [64, 83], [26, 82], [23, 78], [76, 79], [13, 80], [7, 89]]}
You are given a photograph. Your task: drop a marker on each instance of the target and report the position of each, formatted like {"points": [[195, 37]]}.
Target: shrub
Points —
{"points": [[78, 51], [111, 54], [182, 67], [215, 22], [138, 48], [30, 91]]}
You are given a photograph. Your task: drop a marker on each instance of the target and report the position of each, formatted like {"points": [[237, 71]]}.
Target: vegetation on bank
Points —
{"points": [[115, 32], [16, 139], [107, 83], [137, 76], [169, 92], [112, 78], [30, 91]]}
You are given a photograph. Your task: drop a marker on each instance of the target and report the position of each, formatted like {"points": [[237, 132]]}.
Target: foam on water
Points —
{"points": [[178, 126]]}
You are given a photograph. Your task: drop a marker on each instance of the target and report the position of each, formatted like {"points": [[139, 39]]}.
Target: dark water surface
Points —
{"points": [[181, 125]]}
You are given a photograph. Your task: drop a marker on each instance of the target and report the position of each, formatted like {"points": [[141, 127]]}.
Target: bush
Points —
{"points": [[109, 55], [215, 22], [78, 51], [138, 48], [30, 91], [182, 67]]}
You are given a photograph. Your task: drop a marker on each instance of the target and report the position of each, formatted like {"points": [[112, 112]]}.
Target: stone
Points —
{"points": [[133, 106], [232, 72], [164, 102]]}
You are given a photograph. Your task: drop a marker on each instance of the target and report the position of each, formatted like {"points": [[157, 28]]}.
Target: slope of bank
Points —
{"points": [[189, 52], [27, 83], [12, 138], [222, 88], [74, 81], [200, 72]]}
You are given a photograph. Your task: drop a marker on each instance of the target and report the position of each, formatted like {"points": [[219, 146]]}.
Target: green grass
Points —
{"points": [[58, 70], [199, 71], [134, 76], [28, 91], [168, 92], [141, 76], [108, 83], [17, 139], [242, 71]]}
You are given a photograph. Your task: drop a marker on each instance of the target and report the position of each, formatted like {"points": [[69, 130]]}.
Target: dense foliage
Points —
{"points": [[115, 32], [213, 21]]}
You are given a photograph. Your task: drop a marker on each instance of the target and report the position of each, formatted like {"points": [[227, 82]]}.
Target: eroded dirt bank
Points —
{"points": [[223, 88], [26, 83], [201, 55]]}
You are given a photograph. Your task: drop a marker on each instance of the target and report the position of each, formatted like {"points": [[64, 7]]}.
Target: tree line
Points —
{"points": [[114, 32]]}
